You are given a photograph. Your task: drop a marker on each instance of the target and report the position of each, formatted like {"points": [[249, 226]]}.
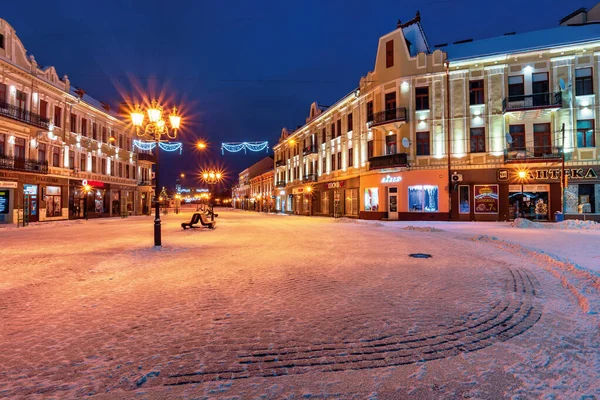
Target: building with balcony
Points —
{"points": [[54, 138], [472, 130]]}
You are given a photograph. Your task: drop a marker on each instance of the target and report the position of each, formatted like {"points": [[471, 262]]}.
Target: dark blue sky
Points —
{"points": [[243, 69]]}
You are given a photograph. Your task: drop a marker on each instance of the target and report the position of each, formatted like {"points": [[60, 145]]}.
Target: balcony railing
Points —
{"points": [[145, 157], [532, 154], [312, 149], [532, 102], [310, 178], [280, 184], [382, 117], [19, 114], [389, 161], [23, 164], [279, 163]]}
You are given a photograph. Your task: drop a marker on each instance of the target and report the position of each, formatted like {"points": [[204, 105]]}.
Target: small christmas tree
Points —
{"points": [[541, 207]]}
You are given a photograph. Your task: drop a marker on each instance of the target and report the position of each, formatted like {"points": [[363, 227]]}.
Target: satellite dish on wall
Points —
{"points": [[405, 143], [562, 84], [509, 138]]}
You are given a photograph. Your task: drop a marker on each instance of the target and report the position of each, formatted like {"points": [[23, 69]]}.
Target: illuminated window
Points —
{"points": [[53, 201], [464, 205], [371, 199], [351, 200], [585, 133], [423, 198]]}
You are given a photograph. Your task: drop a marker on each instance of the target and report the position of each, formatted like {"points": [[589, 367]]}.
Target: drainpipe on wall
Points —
{"points": [[447, 64]]}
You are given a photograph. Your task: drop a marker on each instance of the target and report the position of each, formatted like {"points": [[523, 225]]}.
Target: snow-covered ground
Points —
{"points": [[284, 307]]}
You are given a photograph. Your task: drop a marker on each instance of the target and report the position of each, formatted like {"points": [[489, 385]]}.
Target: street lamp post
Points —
{"points": [[211, 178], [86, 189], [522, 175], [154, 130]]}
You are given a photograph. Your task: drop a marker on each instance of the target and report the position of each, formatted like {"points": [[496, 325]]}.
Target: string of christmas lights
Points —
{"points": [[163, 146], [234, 147]]}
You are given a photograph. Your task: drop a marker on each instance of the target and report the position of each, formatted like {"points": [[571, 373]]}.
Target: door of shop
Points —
{"points": [[31, 205], [393, 203]]}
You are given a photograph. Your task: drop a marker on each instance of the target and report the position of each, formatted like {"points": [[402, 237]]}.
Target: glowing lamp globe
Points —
{"points": [[174, 118], [205, 175], [218, 175], [154, 112], [137, 116], [522, 174]]}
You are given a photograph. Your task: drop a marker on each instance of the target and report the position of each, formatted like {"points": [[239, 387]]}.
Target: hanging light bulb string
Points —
{"points": [[234, 147], [148, 146]]}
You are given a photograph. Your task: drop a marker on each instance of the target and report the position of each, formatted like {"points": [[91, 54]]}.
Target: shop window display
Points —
{"points": [[529, 201], [372, 199], [463, 199], [53, 201], [423, 198]]}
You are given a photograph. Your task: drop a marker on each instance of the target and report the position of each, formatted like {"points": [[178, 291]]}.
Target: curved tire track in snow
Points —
{"points": [[509, 317]]}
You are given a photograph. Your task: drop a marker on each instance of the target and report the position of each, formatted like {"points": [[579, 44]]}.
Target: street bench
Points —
{"points": [[199, 218]]}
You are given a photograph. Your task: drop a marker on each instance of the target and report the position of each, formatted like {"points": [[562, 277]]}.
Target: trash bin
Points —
{"points": [[558, 217]]}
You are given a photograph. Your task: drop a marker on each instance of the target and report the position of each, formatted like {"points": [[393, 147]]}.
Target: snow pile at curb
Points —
{"points": [[572, 224], [50, 224], [357, 221], [583, 283], [423, 229]]}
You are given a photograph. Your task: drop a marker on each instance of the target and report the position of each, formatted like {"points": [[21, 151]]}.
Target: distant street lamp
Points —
{"points": [[308, 190], [156, 129], [211, 178]]}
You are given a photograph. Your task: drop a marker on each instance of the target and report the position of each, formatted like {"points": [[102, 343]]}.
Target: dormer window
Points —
{"points": [[1, 41]]}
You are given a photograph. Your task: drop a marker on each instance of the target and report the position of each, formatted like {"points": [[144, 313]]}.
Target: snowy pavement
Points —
{"points": [[283, 307]]}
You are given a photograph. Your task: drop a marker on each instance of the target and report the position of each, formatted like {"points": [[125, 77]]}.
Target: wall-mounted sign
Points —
{"points": [[84, 182], [334, 185], [485, 199], [547, 174], [30, 189], [528, 188], [6, 184], [391, 179], [297, 190], [4, 201]]}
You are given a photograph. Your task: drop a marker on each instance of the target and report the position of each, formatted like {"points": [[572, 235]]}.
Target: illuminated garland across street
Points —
{"points": [[235, 147], [163, 146]]}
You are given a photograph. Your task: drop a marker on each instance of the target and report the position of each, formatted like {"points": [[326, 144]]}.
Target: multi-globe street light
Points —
{"points": [[156, 130], [211, 178]]}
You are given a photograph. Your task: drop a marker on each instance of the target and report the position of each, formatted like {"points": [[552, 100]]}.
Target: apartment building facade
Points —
{"points": [[474, 130], [251, 191], [54, 140]]}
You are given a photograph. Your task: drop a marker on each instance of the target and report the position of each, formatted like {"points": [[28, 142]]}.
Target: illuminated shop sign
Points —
{"points": [[334, 185], [391, 179], [548, 174]]}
